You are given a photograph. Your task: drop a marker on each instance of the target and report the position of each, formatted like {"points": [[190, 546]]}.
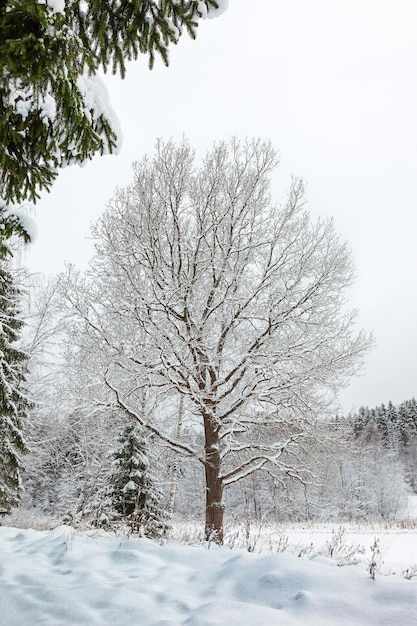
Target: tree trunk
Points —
{"points": [[214, 484]]}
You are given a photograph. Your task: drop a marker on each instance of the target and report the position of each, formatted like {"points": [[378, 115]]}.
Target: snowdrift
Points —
{"points": [[67, 578]]}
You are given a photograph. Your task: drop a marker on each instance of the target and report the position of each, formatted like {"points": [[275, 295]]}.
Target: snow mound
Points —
{"points": [[63, 578]]}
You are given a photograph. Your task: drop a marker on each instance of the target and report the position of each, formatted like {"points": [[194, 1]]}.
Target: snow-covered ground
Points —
{"points": [[62, 578]]}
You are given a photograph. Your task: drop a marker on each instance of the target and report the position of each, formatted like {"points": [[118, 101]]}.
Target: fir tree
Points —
{"points": [[13, 403], [131, 496], [360, 420], [381, 421], [392, 426], [411, 406], [52, 109], [407, 420], [403, 424]]}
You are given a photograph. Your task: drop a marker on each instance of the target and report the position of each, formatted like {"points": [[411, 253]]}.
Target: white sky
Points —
{"points": [[333, 85]]}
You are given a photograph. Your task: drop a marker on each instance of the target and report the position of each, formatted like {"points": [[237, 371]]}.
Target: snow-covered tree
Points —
{"points": [[203, 287], [14, 404], [54, 109], [132, 496], [360, 420], [407, 418], [407, 431], [375, 474]]}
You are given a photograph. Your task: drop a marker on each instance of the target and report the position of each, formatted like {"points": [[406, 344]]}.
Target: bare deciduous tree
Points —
{"points": [[202, 287]]}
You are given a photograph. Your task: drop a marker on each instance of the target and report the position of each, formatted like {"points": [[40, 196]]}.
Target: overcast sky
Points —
{"points": [[333, 84]]}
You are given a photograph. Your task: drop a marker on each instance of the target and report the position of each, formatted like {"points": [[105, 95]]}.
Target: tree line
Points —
{"points": [[395, 429]]}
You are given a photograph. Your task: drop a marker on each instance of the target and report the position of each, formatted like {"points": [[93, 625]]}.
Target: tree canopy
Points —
{"points": [[54, 109]]}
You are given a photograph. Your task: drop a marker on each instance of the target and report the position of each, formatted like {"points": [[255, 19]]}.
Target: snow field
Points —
{"points": [[340, 544], [63, 578]]}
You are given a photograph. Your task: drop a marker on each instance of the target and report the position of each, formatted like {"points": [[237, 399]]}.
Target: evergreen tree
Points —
{"points": [[392, 426], [53, 107], [131, 496], [411, 407], [13, 403], [381, 420], [403, 424], [407, 420], [360, 420]]}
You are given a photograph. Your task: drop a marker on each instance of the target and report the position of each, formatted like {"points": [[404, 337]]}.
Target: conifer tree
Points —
{"points": [[132, 496], [412, 413], [13, 403], [360, 420], [407, 420], [403, 424], [392, 426], [381, 421], [53, 108]]}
